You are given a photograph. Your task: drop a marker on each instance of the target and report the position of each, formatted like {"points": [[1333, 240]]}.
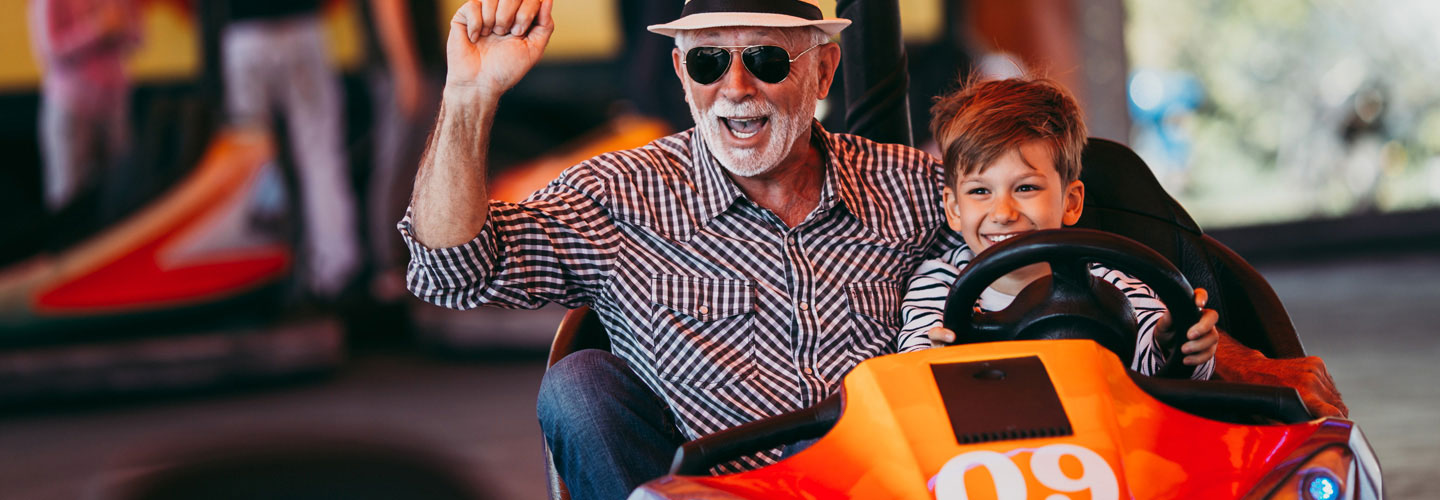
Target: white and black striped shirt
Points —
{"points": [[924, 307], [727, 313]]}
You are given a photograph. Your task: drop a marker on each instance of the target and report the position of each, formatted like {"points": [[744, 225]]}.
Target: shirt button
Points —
{"points": [[809, 371], [704, 310], [804, 306]]}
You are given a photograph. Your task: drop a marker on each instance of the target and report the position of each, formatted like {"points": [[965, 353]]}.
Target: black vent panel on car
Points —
{"points": [[1000, 400]]}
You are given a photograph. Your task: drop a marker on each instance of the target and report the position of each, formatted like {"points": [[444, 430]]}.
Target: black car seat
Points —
{"points": [[1123, 197], [580, 329]]}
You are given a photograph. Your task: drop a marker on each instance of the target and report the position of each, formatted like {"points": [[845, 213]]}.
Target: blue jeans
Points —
{"points": [[608, 432]]}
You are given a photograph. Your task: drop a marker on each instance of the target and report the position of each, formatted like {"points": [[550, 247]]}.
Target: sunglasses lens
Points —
{"points": [[707, 64], [769, 63]]}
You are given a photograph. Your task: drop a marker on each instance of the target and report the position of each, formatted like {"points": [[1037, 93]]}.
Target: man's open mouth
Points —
{"points": [[745, 127]]}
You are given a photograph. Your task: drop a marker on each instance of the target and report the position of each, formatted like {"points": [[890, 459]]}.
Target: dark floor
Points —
{"points": [[1374, 321]]}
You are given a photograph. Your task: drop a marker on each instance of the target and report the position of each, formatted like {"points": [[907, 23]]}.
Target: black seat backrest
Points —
{"points": [[581, 329], [1122, 196]]}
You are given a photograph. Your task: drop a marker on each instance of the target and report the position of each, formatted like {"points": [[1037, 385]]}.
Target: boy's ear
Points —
{"points": [[952, 210], [1074, 202]]}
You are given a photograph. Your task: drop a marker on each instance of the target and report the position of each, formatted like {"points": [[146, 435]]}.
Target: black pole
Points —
{"points": [[874, 69]]}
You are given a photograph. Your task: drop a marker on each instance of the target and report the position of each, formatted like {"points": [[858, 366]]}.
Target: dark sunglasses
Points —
{"points": [[769, 63]]}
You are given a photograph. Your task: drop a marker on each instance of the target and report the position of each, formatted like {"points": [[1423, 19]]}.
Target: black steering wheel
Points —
{"points": [[1072, 303]]}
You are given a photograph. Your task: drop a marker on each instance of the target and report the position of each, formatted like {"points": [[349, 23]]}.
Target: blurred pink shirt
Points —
{"points": [[83, 45]]}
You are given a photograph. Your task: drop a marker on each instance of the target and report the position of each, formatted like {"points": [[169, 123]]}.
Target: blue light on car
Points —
{"points": [[1320, 486]]}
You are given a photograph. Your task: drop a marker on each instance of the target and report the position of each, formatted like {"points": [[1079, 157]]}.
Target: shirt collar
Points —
{"points": [[715, 192], [843, 173]]}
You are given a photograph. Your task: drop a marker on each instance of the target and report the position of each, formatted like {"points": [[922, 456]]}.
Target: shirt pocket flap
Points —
{"points": [[879, 301], [705, 299]]}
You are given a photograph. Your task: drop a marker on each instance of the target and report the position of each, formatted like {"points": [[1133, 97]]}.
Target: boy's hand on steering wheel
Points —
{"points": [[1203, 336], [941, 336]]}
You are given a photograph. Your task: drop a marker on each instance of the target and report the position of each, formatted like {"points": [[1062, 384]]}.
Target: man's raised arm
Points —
{"points": [[492, 44]]}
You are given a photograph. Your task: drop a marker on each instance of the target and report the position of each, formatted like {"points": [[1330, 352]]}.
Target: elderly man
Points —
{"points": [[741, 267]]}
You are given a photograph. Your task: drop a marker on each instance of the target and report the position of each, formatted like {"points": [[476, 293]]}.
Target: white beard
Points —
{"points": [[782, 132]]}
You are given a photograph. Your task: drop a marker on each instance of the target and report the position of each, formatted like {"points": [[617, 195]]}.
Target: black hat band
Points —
{"points": [[794, 8]]}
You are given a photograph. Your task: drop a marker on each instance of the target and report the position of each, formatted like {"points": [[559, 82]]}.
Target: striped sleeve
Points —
{"points": [[557, 246], [923, 307], [1149, 357]]}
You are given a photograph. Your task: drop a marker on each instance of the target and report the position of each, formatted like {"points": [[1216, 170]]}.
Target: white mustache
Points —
{"points": [[753, 107]]}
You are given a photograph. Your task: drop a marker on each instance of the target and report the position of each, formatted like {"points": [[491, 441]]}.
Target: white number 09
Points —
{"points": [[1095, 474]]}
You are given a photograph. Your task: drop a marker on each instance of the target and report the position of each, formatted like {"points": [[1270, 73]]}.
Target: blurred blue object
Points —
{"points": [[1159, 100]]}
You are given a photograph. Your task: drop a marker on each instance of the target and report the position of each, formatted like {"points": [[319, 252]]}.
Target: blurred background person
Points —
{"points": [[85, 104], [644, 57], [274, 60], [406, 69]]}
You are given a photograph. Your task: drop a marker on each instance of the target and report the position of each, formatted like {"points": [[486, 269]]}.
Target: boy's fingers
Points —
{"points": [[1199, 351], [942, 334], [1199, 345], [1197, 359], [1208, 319], [1201, 297]]}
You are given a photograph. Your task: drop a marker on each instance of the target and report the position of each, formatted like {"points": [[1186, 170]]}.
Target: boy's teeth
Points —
{"points": [[1000, 238]]}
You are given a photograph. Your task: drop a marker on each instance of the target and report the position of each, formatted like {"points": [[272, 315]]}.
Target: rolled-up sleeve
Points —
{"points": [[556, 246]]}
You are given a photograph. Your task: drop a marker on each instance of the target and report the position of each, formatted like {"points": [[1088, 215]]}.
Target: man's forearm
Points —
{"points": [[1234, 362], [450, 202], [1232, 358]]}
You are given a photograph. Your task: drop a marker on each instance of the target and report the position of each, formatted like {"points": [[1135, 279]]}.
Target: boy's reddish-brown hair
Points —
{"points": [[985, 119]]}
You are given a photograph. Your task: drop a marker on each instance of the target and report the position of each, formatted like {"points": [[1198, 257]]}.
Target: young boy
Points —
{"points": [[1011, 150]]}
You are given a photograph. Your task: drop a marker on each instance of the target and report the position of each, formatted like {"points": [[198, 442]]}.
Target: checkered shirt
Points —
{"points": [[724, 311]]}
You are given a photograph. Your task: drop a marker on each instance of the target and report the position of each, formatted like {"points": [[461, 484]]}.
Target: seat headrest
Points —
{"points": [[1117, 179]]}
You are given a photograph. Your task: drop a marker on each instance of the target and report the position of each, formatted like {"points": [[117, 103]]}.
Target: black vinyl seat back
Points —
{"points": [[1123, 197], [581, 329]]}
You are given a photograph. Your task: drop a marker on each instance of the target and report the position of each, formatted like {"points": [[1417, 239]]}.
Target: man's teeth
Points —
{"points": [[744, 128]]}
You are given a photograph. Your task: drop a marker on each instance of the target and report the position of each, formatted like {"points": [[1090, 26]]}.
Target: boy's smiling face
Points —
{"points": [[1020, 192]]}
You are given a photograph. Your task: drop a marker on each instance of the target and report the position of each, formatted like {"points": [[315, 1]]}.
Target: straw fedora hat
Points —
{"points": [[700, 14]]}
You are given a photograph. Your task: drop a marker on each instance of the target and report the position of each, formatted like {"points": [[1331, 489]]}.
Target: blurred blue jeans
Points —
{"points": [[608, 432]]}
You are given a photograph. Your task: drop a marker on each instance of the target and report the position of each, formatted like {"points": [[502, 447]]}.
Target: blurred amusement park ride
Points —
{"points": [[195, 289]]}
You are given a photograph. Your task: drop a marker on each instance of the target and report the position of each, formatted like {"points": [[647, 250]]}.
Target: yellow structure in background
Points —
{"points": [[586, 29], [17, 62], [170, 49]]}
